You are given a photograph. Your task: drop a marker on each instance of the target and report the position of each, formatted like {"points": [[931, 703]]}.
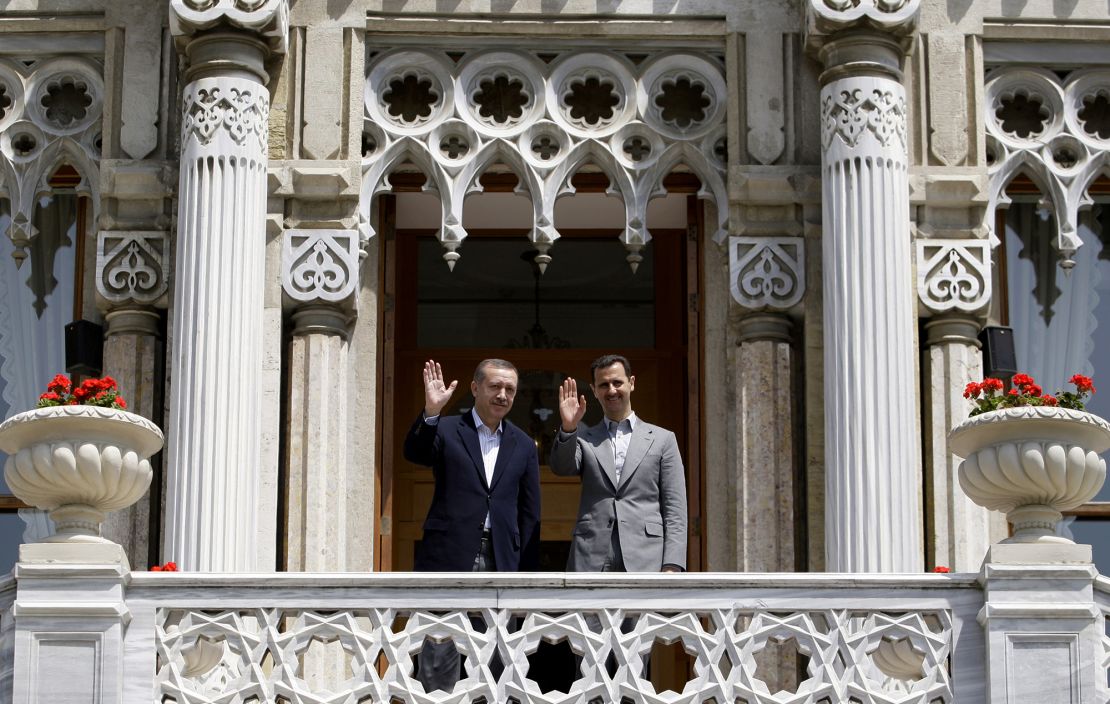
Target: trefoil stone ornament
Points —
{"points": [[1033, 456], [78, 461]]}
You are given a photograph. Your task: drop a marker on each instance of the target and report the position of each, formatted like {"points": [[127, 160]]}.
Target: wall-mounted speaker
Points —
{"points": [[84, 348], [999, 355]]}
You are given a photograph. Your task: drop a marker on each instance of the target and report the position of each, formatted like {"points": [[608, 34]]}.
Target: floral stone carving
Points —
{"points": [[1031, 463], [78, 463]]}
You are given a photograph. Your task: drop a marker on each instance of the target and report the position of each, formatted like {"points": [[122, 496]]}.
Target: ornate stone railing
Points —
{"points": [[352, 638]]}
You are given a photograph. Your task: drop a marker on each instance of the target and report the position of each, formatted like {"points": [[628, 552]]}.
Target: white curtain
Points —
{"points": [[36, 302], [1053, 313]]}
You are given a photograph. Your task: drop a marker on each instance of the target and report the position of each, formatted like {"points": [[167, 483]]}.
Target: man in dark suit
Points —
{"points": [[632, 514], [485, 512]]}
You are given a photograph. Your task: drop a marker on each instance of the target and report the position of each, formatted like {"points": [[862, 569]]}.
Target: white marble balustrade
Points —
{"points": [[238, 638]]}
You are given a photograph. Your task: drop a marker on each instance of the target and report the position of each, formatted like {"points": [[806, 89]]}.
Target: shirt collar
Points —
{"points": [[632, 420], [479, 424]]}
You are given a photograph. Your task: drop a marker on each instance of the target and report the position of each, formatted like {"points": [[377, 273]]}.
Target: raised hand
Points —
{"points": [[436, 393], [571, 406]]}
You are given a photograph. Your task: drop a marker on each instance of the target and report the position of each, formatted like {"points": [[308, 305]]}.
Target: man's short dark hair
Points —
{"points": [[607, 360], [480, 370]]}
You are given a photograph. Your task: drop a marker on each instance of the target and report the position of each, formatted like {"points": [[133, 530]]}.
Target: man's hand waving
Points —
{"points": [[436, 392], [571, 406]]}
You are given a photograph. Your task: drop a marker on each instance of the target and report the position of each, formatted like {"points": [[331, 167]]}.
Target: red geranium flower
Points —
{"points": [[941, 569], [1049, 400], [1021, 379], [1083, 383]]}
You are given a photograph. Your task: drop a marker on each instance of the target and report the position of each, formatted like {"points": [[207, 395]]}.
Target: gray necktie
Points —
{"points": [[619, 448]]}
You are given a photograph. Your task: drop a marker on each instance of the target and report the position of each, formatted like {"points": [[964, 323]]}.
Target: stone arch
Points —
{"points": [[634, 120]]}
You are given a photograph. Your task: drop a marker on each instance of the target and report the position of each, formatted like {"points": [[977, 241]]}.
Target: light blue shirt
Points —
{"points": [[621, 435]]}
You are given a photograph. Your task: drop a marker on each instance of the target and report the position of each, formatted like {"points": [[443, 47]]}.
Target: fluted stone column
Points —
{"points": [[873, 519], [214, 434]]}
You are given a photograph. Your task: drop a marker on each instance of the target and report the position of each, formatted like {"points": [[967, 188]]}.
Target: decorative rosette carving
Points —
{"points": [[78, 462], [766, 272], [131, 265], [545, 120], [320, 265], [953, 274], [1032, 462], [1055, 131], [50, 113]]}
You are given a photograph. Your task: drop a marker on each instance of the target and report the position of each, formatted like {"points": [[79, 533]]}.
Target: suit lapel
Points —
{"points": [[469, 436], [603, 451], [643, 436], [504, 453]]}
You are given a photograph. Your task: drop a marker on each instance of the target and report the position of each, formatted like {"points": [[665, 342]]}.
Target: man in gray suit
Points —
{"points": [[632, 516]]}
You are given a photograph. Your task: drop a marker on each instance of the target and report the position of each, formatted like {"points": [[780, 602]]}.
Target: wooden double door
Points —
{"points": [[550, 327]]}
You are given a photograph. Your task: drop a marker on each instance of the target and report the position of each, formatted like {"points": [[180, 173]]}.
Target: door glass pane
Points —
{"points": [[1094, 532], [11, 535], [1061, 320], [496, 297]]}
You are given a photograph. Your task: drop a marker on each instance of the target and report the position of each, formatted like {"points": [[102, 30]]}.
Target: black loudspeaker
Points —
{"points": [[999, 356], [84, 348]]}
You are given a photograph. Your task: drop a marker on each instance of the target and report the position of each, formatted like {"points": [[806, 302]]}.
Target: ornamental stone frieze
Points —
{"points": [[268, 19], [50, 114], [1053, 130], [225, 108], [766, 272], [132, 266], [851, 111], [545, 120], [953, 275]]}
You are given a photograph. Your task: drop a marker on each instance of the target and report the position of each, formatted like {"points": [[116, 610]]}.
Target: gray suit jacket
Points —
{"points": [[649, 505]]}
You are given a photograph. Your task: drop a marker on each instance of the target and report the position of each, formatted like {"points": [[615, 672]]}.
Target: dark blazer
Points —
{"points": [[453, 528]]}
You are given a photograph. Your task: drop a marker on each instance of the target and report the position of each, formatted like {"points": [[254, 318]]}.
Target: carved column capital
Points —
{"points": [[268, 19], [825, 17], [953, 328], [860, 37]]}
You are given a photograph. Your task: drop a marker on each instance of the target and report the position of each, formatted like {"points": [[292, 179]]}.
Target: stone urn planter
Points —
{"points": [[78, 463], [1031, 462]]}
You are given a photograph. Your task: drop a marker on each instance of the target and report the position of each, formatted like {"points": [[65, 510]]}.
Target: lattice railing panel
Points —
{"points": [[366, 655]]}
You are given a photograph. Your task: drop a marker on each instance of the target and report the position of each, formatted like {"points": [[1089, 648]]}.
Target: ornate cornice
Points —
{"points": [[269, 19]]}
